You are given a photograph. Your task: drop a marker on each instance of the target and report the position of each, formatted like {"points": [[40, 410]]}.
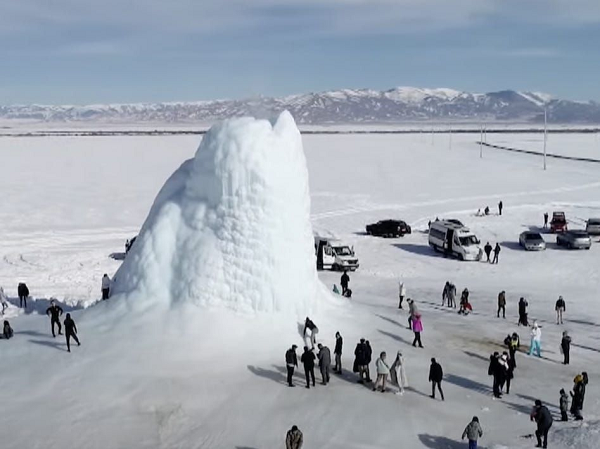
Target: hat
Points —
{"points": [[538, 403], [294, 346]]}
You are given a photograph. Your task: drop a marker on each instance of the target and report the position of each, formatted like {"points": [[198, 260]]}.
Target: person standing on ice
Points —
{"points": [[3, 301], [401, 293], [105, 286], [398, 373], [324, 362], [488, 251], [417, 327], [369, 358], [452, 295], [344, 281], [54, 312], [308, 360], [536, 340], [496, 253], [337, 351], [412, 311], [545, 220], [523, 312], [560, 308], [70, 332], [502, 304], [493, 370], [294, 438], [23, 292], [510, 372], [473, 432], [564, 405], [577, 395], [500, 206], [383, 370], [7, 331], [445, 294], [542, 416], [291, 362], [360, 360], [314, 330], [565, 347], [436, 374]]}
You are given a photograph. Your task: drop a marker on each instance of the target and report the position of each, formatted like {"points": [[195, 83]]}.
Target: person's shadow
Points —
{"points": [[50, 344], [439, 442]]}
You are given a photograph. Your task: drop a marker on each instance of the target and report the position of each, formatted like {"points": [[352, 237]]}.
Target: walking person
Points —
{"points": [[577, 397], [496, 253], [360, 360], [510, 372], [291, 362], [542, 416], [565, 347], [523, 304], [513, 345], [383, 370], [7, 331], [493, 370], [500, 206], [436, 374], [502, 304], [536, 340], [412, 311], [337, 351], [398, 373], [545, 220], [314, 330], [445, 293], [308, 360], [55, 312], [294, 438], [488, 251], [23, 292], [3, 301], [417, 327], [324, 357], [344, 281], [564, 405], [70, 331], [473, 432], [560, 308], [369, 357], [105, 286], [401, 294]]}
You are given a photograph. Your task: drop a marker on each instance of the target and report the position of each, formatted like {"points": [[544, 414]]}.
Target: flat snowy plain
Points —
{"points": [[215, 379]]}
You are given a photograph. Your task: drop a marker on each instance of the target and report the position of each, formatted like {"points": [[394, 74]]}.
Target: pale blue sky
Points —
{"points": [[84, 51]]}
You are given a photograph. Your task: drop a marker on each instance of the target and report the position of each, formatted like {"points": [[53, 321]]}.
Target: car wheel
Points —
{"points": [[335, 267], [461, 257]]}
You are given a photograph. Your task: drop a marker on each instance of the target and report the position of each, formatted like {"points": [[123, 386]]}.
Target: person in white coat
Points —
{"points": [[401, 293], [105, 286], [3, 300], [383, 370], [536, 340], [398, 373]]}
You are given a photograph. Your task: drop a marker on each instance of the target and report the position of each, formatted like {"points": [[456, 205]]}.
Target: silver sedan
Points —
{"points": [[574, 240], [532, 241]]}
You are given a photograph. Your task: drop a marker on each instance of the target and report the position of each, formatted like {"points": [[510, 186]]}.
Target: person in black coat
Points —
{"points": [[542, 416], [308, 360], [70, 331], [494, 370], [436, 374], [369, 357], [523, 312], [496, 253], [344, 281], [360, 360], [339, 342], [55, 312], [510, 372], [291, 362], [565, 347], [488, 251], [585, 382], [7, 331], [500, 206], [23, 293]]}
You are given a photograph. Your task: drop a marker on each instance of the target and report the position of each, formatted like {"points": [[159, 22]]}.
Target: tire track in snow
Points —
{"points": [[380, 207]]}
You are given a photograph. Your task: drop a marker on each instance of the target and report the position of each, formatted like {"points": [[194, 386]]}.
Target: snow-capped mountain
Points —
{"points": [[346, 106]]}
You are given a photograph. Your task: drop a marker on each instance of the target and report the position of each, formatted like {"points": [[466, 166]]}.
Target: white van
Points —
{"points": [[454, 239], [334, 254]]}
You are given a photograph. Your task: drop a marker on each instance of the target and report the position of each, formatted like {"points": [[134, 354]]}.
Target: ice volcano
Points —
{"points": [[231, 227]]}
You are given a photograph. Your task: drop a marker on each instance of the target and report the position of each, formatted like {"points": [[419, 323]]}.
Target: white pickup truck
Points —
{"points": [[334, 254]]}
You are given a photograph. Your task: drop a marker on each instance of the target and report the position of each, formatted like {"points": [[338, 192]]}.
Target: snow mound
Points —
{"points": [[231, 227]]}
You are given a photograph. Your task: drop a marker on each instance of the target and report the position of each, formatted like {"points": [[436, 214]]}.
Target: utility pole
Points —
{"points": [[431, 136], [481, 143], [545, 134], [450, 138]]}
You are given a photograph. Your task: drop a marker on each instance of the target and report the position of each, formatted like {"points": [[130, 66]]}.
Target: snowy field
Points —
{"points": [[199, 379]]}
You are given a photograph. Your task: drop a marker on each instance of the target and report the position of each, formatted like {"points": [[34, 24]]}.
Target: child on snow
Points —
{"points": [[564, 405], [7, 330]]}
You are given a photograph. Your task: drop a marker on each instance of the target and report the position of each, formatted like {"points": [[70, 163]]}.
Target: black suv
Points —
{"points": [[389, 228]]}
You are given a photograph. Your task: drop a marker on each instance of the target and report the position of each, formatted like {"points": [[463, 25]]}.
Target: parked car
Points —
{"points": [[454, 240], [558, 222], [389, 228], [576, 239], [593, 226], [334, 254], [532, 241]]}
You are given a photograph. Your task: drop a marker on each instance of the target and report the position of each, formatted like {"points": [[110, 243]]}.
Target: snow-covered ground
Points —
{"points": [[191, 378]]}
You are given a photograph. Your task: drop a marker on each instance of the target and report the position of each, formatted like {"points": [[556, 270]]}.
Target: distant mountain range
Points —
{"points": [[347, 106]]}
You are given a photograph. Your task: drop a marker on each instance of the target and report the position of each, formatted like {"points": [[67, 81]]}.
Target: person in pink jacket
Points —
{"points": [[417, 327]]}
